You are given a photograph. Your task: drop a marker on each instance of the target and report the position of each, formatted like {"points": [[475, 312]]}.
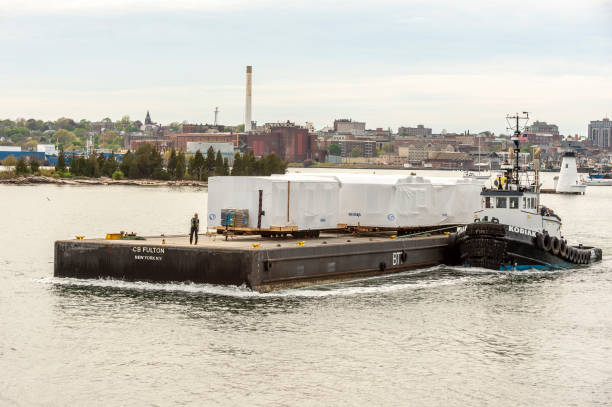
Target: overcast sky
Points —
{"points": [[453, 65]]}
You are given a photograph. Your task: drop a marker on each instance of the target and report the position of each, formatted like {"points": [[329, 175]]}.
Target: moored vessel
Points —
{"points": [[512, 230]]}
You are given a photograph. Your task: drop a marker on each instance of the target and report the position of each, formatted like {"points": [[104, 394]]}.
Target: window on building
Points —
{"points": [[514, 203], [500, 203]]}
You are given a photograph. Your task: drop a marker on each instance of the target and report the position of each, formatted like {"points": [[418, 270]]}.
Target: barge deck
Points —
{"points": [[263, 264]]}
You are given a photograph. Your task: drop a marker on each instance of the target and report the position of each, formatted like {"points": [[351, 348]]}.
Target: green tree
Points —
{"points": [[172, 163], [197, 167], [22, 166], [210, 160], [238, 167], [34, 166], [65, 137], [180, 166], [126, 163], [226, 167], [219, 163], [110, 166], [118, 175], [10, 161], [61, 161], [388, 148], [334, 149]]}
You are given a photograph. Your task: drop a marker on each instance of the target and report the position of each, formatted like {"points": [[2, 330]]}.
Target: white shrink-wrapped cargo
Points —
{"points": [[412, 201], [304, 202], [397, 201]]}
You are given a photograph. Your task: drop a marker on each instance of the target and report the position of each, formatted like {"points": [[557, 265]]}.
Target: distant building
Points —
{"points": [[420, 130], [179, 141], [368, 147], [292, 143], [48, 149], [600, 133], [447, 160], [542, 127], [347, 126], [227, 149], [10, 148]]}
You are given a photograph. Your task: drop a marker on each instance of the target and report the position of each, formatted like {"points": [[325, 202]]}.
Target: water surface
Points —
{"points": [[439, 336]]}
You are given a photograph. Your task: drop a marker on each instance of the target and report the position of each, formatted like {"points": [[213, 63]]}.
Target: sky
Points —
{"points": [[450, 65]]}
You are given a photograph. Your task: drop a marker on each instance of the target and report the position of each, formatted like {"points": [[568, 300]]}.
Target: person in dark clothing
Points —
{"points": [[195, 227]]}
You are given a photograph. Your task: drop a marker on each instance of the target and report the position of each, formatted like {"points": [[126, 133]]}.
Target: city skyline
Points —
{"points": [[391, 65]]}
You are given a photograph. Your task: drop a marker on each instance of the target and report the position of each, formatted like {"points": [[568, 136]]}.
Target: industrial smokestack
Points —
{"points": [[247, 112]]}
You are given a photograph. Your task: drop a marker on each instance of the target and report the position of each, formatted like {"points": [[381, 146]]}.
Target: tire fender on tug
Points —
{"points": [[540, 240], [547, 242], [563, 249], [555, 245]]}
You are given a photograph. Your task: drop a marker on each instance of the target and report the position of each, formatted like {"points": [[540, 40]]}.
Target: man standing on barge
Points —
{"points": [[195, 227]]}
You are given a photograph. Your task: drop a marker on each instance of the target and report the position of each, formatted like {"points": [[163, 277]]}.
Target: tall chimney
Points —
{"points": [[247, 112]]}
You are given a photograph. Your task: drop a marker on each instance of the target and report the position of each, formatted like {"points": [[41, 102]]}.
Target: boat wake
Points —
{"points": [[421, 279]]}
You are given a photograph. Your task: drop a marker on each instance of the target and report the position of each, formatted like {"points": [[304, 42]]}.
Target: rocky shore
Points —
{"points": [[38, 179]]}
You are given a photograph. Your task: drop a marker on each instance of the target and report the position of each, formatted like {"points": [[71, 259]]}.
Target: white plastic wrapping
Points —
{"points": [[323, 201], [313, 201]]}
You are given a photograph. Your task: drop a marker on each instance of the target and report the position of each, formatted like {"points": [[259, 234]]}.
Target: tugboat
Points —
{"points": [[512, 231]]}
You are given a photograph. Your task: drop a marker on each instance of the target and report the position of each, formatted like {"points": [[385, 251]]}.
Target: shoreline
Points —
{"points": [[41, 179]]}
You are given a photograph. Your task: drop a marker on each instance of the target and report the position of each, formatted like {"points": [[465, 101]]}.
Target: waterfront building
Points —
{"points": [[600, 133], [449, 160]]}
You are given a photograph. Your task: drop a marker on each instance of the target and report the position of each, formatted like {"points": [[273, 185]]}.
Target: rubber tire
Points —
{"points": [[574, 255], [540, 240], [555, 245], [547, 242], [563, 249]]}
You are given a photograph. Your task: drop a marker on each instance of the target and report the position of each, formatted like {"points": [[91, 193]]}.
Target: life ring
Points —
{"points": [[563, 249], [555, 245], [547, 242], [540, 240]]}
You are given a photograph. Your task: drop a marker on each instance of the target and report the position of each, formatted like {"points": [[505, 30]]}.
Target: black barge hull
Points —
{"points": [[261, 264]]}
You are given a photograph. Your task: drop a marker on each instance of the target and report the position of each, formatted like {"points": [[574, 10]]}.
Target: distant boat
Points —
{"points": [[598, 180], [480, 174]]}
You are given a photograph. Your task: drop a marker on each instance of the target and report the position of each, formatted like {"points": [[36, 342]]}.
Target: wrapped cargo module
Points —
{"points": [[303, 203], [397, 201]]}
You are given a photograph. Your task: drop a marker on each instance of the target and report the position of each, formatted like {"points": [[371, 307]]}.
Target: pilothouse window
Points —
{"points": [[488, 202], [514, 203], [501, 203]]}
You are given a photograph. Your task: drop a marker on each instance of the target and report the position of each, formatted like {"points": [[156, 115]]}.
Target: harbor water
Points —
{"points": [[436, 336]]}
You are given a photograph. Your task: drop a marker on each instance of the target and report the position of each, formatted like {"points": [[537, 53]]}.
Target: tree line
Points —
{"points": [[147, 162]]}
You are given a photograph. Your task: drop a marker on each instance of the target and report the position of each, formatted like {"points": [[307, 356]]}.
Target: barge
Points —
{"points": [[262, 264]]}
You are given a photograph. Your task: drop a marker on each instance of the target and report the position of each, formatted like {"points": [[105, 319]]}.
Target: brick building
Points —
{"points": [[292, 143]]}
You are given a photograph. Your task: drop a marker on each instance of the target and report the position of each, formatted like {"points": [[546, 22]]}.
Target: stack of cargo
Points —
{"points": [[323, 201], [235, 217]]}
